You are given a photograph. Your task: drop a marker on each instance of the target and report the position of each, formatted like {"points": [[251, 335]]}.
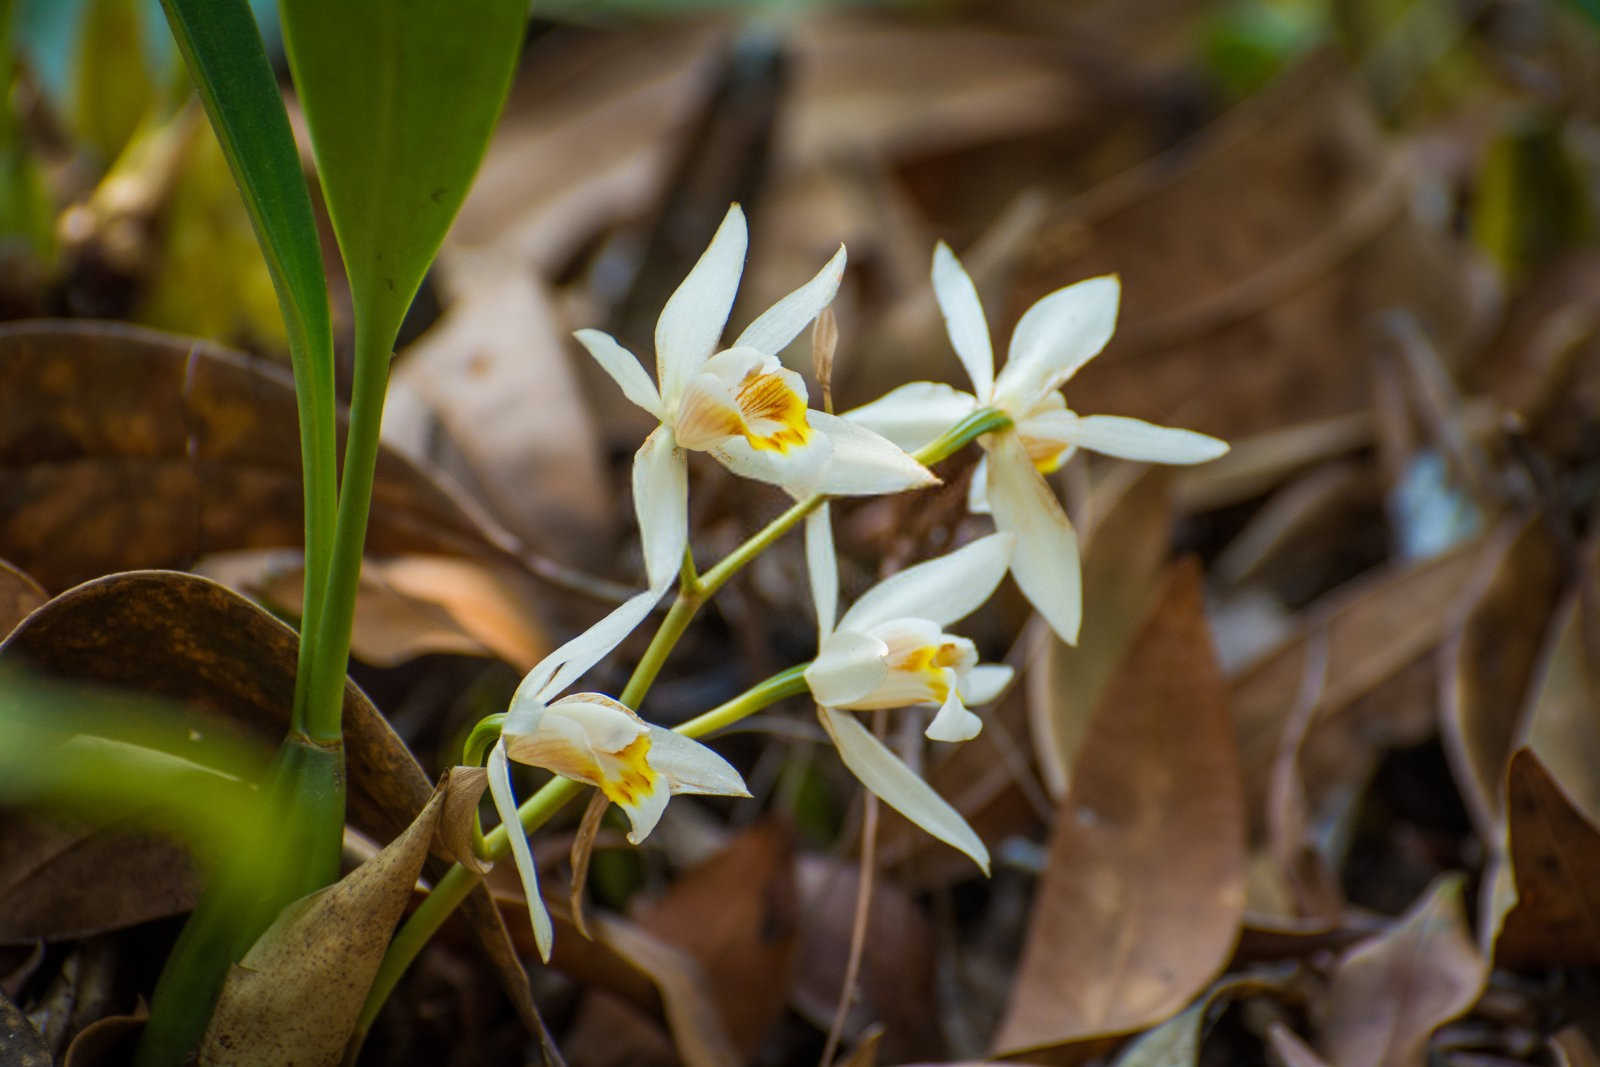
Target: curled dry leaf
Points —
{"points": [[1555, 860], [1490, 664], [19, 595], [295, 996], [1176, 1042], [193, 641], [123, 448], [1289, 1050], [1570, 1048], [1389, 994], [1142, 894]]}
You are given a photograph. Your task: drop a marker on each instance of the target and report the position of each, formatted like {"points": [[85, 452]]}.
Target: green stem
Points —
{"points": [[537, 810], [325, 705]]}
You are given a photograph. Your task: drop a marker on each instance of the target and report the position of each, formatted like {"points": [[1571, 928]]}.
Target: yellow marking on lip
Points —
{"points": [[632, 777], [930, 661], [1047, 455], [768, 397]]}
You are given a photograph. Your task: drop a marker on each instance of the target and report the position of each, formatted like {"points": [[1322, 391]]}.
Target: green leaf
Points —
{"points": [[401, 96], [222, 47]]}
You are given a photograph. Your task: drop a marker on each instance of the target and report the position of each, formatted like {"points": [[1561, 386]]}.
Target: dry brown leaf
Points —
{"points": [[1374, 629], [495, 372], [124, 448], [1555, 859], [1559, 724], [897, 979], [1289, 1050], [19, 595], [1570, 1048], [1388, 995], [296, 994], [60, 881], [1122, 558], [1141, 898], [1490, 663], [106, 1042], [737, 913], [408, 606], [1264, 232]]}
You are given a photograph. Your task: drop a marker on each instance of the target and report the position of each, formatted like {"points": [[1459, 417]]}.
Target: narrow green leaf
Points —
{"points": [[401, 96], [222, 47]]}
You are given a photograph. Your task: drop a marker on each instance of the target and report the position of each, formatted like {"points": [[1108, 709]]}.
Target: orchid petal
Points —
{"points": [[849, 665], [644, 811], [693, 318], [1045, 562], [916, 413], [568, 663], [899, 786], [661, 502], [690, 767], [797, 469], [1115, 435], [782, 322], [978, 488], [1055, 337], [985, 682], [941, 590], [963, 319], [505, 802], [953, 721], [864, 464], [624, 369], [822, 566]]}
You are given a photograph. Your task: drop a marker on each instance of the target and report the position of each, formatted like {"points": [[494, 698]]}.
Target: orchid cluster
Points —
{"points": [[890, 649]]}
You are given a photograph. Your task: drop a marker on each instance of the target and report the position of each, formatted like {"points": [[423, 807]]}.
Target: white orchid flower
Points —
{"points": [[890, 650], [740, 404], [595, 740], [1053, 339]]}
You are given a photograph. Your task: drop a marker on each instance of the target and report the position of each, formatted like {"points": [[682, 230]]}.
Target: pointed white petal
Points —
{"points": [[506, 804], [963, 319], [916, 413], [690, 767], [568, 663], [953, 722], [623, 368], [1127, 438], [644, 811], [1045, 562], [985, 682], [978, 488], [661, 502], [692, 321], [899, 786], [1055, 337], [863, 463], [822, 566], [782, 322], [941, 590], [848, 666]]}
